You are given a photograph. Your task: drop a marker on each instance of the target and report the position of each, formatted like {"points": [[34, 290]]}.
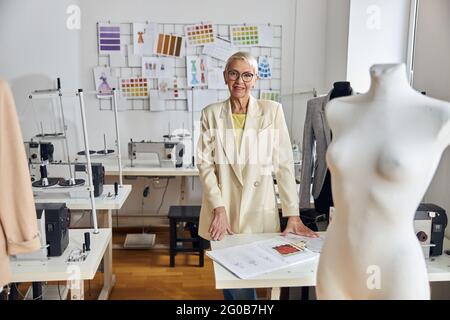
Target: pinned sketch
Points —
{"points": [[172, 88], [156, 103], [221, 49], [117, 58], [244, 36], [134, 87], [104, 81], [133, 59], [154, 67], [144, 36], [265, 33], [265, 67], [216, 79], [196, 68], [200, 34], [169, 45], [108, 38], [273, 95], [199, 98]]}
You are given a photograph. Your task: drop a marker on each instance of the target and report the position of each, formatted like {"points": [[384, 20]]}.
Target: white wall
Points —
{"points": [[432, 74], [378, 33], [37, 47]]}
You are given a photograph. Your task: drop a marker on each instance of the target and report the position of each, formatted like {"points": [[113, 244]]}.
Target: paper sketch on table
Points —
{"points": [[260, 257], [196, 69], [197, 99], [158, 67], [313, 244], [104, 81], [144, 37], [172, 88], [221, 49], [265, 67]]}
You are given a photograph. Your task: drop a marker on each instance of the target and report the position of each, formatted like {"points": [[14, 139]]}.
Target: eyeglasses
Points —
{"points": [[233, 75]]}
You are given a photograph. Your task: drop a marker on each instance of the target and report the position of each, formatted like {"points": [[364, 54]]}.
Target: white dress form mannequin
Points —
{"points": [[386, 146]]}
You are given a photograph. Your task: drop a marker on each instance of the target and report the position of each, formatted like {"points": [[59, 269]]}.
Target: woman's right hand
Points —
{"points": [[219, 225]]}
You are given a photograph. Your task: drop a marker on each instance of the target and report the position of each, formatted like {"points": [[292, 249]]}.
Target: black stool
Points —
{"points": [[189, 214]]}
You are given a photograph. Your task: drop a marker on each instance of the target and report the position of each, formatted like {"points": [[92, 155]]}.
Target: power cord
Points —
{"points": [[163, 196]]}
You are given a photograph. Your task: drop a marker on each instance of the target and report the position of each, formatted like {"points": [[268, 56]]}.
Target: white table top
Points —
{"points": [[147, 168], [303, 274], [103, 202], [57, 269]]}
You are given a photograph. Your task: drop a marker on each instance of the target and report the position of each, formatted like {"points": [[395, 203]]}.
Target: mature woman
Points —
{"points": [[243, 141]]}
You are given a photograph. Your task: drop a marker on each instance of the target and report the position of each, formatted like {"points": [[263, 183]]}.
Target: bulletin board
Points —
{"points": [[123, 69]]}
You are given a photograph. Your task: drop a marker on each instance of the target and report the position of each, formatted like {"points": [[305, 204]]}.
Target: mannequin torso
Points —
{"points": [[386, 146]]}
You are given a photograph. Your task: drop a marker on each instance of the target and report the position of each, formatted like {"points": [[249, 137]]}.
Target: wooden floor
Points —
{"points": [[146, 275]]}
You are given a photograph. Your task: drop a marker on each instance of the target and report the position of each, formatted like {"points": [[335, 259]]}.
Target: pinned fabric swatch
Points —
{"points": [[135, 87], [169, 45], [200, 34], [108, 38]]}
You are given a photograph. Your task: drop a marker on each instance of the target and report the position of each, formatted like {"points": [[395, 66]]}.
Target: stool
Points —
{"points": [[188, 214]]}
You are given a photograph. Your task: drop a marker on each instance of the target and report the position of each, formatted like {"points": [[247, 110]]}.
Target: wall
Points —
{"points": [[432, 74], [378, 33], [40, 49]]}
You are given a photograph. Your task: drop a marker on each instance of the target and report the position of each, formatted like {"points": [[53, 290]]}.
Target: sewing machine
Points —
{"points": [[170, 154]]}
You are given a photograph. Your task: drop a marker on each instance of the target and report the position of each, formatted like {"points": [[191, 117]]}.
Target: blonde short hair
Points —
{"points": [[245, 56]]}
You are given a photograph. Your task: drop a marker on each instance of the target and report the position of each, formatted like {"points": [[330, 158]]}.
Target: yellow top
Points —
{"points": [[238, 125]]}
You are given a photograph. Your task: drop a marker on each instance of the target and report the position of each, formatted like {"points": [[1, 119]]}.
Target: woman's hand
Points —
{"points": [[219, 225], [296, 226]]}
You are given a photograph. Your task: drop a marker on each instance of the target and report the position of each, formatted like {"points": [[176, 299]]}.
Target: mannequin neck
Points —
{"points": [[388, 79], [341, 89]]}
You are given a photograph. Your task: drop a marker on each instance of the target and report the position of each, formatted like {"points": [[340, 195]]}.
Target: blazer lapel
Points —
{"points": [[226, 135], [249, 145]]}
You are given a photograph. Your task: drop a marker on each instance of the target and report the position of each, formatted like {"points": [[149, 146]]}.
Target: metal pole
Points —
{"points": [[192, 130], [72, 180], [116, 121], [88, 160]]}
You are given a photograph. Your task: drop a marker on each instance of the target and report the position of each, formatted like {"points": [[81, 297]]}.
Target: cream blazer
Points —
{"points": [[243, 182], [18, 222]]}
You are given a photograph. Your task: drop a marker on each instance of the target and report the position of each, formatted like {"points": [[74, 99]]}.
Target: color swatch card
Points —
{"points": [[244, 36], [144, 36], [108, 38], [270, 95], [135, 87], [196, 68], [221, 49], [200, 34], [172, 88], [265, 67], [154, 67], [216, 79], [169, 45], [104, 81]]}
